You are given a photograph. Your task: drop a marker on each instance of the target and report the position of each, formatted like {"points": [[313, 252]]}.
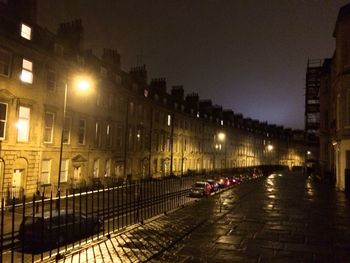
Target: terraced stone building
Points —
{"points": [[125, 127]]}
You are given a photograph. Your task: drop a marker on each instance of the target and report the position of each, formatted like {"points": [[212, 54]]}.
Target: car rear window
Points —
{"points": [[199, 184], [31, 220]]}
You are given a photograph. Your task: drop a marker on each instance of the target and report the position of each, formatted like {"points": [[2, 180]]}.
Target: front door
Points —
{"points": [[16, 183]]}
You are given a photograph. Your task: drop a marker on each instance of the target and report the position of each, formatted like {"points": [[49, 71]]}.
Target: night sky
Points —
{"points": [[248, 56]]}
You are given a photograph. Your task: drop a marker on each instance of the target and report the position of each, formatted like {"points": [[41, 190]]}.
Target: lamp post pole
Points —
{"points": [[61, 145]]}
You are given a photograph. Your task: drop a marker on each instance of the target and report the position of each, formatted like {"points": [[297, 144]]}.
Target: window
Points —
{"points": [[97, 134], [108, 135], [130, 138], [5, 60], [82, 131], [119, 138], [58, 50], [23, 124], [51, 80], [3, 120], [108, 168], [49, 123], [338, 111], [66, 130], [26, 31], [96, 168], [103, 72], [169, 120], [45, 172], [98, 100], [27, 71], [64, 171], [348, 107], [131, 109]]}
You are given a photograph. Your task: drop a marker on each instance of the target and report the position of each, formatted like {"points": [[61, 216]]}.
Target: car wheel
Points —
{"points": [[60, 240], [96, 228]]}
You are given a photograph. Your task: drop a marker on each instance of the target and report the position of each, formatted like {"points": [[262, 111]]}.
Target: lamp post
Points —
{"points": [[270, 148], [221, 138], [83, 85], [218, 139]]}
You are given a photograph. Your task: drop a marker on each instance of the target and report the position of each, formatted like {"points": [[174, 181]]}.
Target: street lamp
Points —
{"points": [[219, 138], [269, 147], [83, 84]]}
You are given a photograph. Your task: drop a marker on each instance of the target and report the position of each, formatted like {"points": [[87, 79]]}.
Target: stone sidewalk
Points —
{"points": [[282, 218]]}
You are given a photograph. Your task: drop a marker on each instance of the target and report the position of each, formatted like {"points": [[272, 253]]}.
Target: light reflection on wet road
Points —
{"points": [[284, 217]]}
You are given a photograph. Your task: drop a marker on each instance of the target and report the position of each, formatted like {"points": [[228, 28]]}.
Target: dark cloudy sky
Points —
{"points": [[246, 55]]}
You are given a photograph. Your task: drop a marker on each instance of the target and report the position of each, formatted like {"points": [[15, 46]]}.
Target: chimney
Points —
{"points": [[177, 93], [21, 9], [158, 85], [139, 74], [111, 57], [72, 34]]}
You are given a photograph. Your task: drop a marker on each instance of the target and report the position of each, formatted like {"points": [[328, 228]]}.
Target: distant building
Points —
{"points": [[335, 105], [125, 128]]}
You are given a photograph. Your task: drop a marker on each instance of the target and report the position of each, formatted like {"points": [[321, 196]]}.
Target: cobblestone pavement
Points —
{"points": [[280, 218]]}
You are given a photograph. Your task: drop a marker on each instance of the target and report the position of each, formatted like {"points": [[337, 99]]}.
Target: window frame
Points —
{"points": [[23, 32], [26, 122], [3, 62], [64, 171], [27, 72], [47, 127], [65, 129], [48, 172], [4, 121], [80, 128]]}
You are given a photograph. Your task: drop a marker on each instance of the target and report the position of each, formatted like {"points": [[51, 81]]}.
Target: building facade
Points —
{"points": [[124, 127], [335, 105]]}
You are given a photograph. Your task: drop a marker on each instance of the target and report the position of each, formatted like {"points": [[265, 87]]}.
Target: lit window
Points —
{"points": [[64, 171], [27, 71], [82, 131], [96, 168], [49, 122], [45, 172], [5, 60], [108, 135], [169, 120], [97, 134], [23, 124], [3, 120], [26, 31], [108, 168], [66, 130]]}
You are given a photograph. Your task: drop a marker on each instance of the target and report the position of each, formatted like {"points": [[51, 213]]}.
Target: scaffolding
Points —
{"points": [[312, 99]]}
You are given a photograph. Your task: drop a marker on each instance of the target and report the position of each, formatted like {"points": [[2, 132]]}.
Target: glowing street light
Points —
{"points": [[221, 136], [269, 147], [81, 83]]}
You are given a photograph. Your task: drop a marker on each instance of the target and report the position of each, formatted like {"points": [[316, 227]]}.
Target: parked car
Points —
{"points": [[224, 182], [234, 181], [200, 189], [214, 185], [39, 230]]}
